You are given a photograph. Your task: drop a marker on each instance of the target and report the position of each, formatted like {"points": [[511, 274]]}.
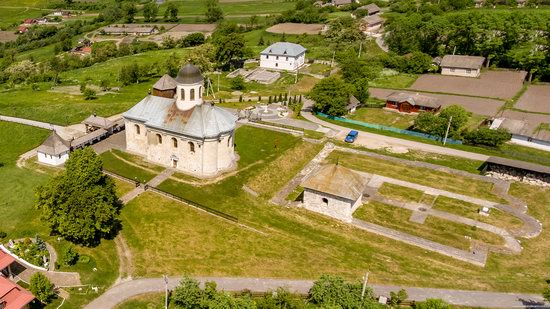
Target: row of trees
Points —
{"points": [[515, 39]]}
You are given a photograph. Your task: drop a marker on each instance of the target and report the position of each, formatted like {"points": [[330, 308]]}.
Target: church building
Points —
{"points": [[173, 127]]}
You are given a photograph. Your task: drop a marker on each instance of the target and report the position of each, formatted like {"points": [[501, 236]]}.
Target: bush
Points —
{"points": [[3, 235], [487, 137], [41, 287], [238, 83], [69, 256], [84, 259], [89, 94], [193, 39]]}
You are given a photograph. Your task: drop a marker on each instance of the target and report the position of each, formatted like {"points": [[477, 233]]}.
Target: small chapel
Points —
{"points": [[174, 127]]}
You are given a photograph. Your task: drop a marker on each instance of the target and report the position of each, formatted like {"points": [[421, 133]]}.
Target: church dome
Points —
{"points": [[189, 74]]}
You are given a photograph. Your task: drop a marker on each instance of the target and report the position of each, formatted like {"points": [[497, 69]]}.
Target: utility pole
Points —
{"points": [[166, 291], [365, 280], [360, 48], [447, 133], [332, 61]]}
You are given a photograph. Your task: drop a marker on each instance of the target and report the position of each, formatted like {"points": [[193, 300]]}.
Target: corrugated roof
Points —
{"points": [[353, 102], [166, 82], [284, 49], [520, 165], [98, 121], [203, 121], [54, 145], [341, 2], [129, 29], [373, 20], [371, 8], [414, 99], [336, 180], [463, 62]]}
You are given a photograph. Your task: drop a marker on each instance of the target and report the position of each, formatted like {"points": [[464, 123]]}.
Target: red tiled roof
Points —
{"points": [[5, 259], [12, 295]]}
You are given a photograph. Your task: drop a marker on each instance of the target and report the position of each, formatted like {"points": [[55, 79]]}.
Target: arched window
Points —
{"points": [[200, 92], [325, 200], [174, 142], [192, 94], [182, 94], [137, 129], [191, 147], [159, 138]]}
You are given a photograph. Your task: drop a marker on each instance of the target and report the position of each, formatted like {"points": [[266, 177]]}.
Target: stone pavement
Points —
{"points": [[153, 183], [121, 292]]}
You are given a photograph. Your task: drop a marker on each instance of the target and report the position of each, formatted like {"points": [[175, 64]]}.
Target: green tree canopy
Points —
{"points": [[171, 13], [214, 12], [129, 11], [432, 303], [150, 11], [81, 204], [333, 292], [41, 287], [487, 137], [331, 96]]}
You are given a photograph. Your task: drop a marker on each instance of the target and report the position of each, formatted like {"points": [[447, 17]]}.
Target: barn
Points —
{"points": [[412, 103]]}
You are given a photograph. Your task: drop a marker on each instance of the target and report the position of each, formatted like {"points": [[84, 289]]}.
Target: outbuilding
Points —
{"points": [[412, 103], [334, 191], [465, 66], [54, 150], [12, 296], [371, 23], [372, 9], [283, 56]]}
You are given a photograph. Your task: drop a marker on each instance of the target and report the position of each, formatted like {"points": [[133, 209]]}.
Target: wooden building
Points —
{"points": [[412, 103]]}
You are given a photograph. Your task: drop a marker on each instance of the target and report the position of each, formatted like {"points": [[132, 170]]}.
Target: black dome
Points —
{"points": [[189, 74]]}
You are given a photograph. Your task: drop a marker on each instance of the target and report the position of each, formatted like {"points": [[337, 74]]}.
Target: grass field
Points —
{"points": [[394, 81], [20, 219], [115, 165], [144, 301], [13, 16], [439, 230], [383, 117], [240, 7]]}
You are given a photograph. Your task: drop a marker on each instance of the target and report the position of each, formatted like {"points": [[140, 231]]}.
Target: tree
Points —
{"points": [[398, 298], [261, 41], [459, 116], [129, 11], [41, 287], [361, 89], [333, 292], [193, 39], [546, 291], [487, 137], [89, 94], [213, 11], [150, 11], [188, 293], [432, 303], [230, 47], [203, 57], [81, 204], [429, 123], [171, 13], [331, 96], [238, 83], [129, 74], [69, 256], [171, 65]]}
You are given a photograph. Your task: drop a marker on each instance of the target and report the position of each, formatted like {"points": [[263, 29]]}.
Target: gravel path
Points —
{"points": [[126, 290]]}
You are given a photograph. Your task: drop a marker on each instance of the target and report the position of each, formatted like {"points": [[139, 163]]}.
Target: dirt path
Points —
{"points": [[126, 266]]}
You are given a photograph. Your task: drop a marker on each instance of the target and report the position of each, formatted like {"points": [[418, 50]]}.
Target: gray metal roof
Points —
{"points": [[202, 121], [284, 49], [336, 180], [98, 121], [414, 99], [341, 2], [373, 20], [462, 62], [527, 166], [371, 8], [54, 145], [166, 82], [189, 74]]}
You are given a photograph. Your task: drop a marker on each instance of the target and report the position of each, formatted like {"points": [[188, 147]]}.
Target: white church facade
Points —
{"points": [[283, 56], [173, 127]]}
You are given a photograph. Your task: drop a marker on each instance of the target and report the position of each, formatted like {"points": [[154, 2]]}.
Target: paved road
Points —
{"points": [[33, 123], [126, 290], [370, 140]]}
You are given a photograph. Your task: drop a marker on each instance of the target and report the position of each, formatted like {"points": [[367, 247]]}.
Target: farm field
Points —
{"points": [[535, 99], [491, 84], [231, 7], [10, 16], [294, 28]]}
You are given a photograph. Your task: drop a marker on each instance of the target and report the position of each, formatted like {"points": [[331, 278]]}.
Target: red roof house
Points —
{"points": [[22, 29], [13, 296], [5, 260], [29, 21]]}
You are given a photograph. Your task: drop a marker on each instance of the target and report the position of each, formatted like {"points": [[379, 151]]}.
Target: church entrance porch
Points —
{"points": [[174, 161]]}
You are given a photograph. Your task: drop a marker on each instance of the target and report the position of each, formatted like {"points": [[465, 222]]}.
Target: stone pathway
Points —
{"points": [[121, 292], [280, 197], [152, 183]]}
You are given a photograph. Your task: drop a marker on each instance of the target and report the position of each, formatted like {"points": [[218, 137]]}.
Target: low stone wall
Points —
{"points": [[512, 174]]}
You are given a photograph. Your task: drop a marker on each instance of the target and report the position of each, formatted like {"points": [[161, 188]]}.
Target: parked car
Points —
{"points": [[352, 136]]}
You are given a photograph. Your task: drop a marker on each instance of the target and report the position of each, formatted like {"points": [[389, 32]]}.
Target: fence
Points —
{"points": [[391, 129]]}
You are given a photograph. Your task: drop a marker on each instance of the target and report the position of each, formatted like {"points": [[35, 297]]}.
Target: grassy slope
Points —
{"points": [[250, 7]]}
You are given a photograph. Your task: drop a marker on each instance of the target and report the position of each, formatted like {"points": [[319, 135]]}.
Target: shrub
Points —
{"points": [[3, 235], [41, 287], [84, 259], [238, 83], [89, 94], [69, 256], [487, 137]]}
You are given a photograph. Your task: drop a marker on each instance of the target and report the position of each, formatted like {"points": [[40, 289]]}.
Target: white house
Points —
{"points": [[173, 127], [465, 66], [523, 133], [283, 56], [334, 191], [54, 150]]}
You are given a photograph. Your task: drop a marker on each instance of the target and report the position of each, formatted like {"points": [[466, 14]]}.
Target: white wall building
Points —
{"points": [[54, 150], [465, 66], [283, 56], [174, 128], [334, 191], [523, 133]]}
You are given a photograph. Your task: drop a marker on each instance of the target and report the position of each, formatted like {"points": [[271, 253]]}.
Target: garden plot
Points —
{"points": [[7, 36], [294, 28], [535, 99], [481, 106], [491, 84], [183, 30]]}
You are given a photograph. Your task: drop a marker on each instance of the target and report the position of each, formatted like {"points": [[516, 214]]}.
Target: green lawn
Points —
{"points": [[439, 230], [145, 301], [383, 117], [20, 219], [15, 16], [239, 7], [394, 80], [115, 165], [400, 193]]}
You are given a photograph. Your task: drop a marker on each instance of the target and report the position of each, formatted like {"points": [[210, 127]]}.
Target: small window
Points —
{"points": [[325, 200], [452, 70], [266, 56], [137, 129], [277, 58], [191, 147], [182, 94], [159, 138], [276, 64], [200, 92], [192, 95], [468, 71], [286, 58], [174, 142]]}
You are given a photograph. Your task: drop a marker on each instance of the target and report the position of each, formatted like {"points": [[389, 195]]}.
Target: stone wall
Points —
{"points": [[335, 207], [512, 174]]}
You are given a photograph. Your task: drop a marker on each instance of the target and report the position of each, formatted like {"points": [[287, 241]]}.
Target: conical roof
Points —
{"points": [[166, 82], [189, 74], [54, 145], [336, 180]]}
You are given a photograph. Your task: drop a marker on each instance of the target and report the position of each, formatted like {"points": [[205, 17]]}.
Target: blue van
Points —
{"points": [[352, 136]]}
